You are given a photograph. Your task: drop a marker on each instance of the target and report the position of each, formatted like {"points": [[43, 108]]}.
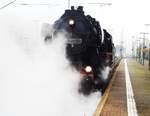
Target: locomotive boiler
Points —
{"points": [[87, 50]]}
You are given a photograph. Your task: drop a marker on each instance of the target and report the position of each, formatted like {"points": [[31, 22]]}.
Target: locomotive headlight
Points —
{"points": [[71, 22], [88, 69]]}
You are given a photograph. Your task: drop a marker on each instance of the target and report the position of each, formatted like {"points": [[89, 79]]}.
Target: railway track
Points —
{"points": [[107, 91]]}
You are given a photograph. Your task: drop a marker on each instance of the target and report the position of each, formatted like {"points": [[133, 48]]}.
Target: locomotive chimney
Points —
{"points": [[80, 9], [72, 7]]}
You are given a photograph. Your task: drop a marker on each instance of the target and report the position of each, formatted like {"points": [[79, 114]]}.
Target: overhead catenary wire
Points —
{"points": [[6, 5], [27, 4], [34, 4], [47, 4], [98, 3]]}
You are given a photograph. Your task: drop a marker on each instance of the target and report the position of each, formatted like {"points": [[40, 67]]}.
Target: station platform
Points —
{"points": [[146, 63], [116, 102], [119, 101], [140, 79]]}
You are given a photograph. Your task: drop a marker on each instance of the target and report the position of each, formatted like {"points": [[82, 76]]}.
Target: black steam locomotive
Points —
{"points": [[88, 51]]}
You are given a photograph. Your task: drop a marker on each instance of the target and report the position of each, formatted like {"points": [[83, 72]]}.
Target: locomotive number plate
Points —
{"points": [[74, 41]]}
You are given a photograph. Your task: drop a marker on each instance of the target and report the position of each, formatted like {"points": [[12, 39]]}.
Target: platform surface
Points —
{"points": [[140, 79], [116, 103]]}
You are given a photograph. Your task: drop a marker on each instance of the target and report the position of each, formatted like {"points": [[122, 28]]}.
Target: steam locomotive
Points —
{"points": [[89, 48]]}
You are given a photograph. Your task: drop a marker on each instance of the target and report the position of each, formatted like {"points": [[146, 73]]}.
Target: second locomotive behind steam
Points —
{"points": [[85, 48]]}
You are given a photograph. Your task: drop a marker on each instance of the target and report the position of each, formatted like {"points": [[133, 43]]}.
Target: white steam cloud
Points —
{"points": [[105, 72], [36, 79]]}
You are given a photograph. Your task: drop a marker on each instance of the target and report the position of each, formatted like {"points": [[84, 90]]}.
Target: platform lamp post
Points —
{"points": [[148, 50], [149, 57], [133, 55], [143, 45], [138, 50]]}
